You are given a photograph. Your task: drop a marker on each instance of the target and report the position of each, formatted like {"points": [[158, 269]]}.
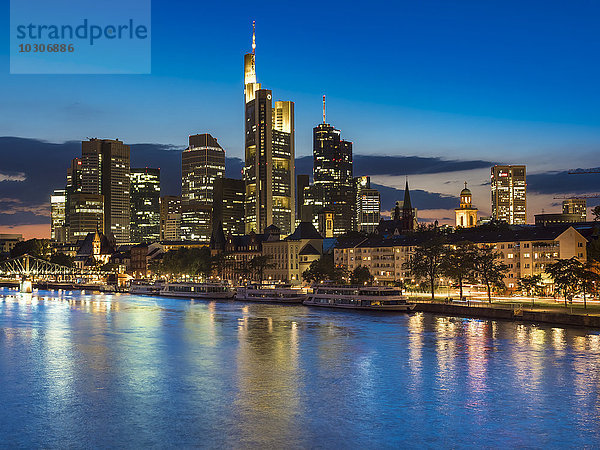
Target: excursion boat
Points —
{"points": [[271, 294], [145, 288], [372, 298], [198, 290]]}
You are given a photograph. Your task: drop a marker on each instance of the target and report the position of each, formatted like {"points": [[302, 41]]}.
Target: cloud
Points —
{"points": [[563, 183], [12, 177], [419, 198]]}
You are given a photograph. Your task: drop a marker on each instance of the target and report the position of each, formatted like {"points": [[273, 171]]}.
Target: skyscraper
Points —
{"points": [[333, 179], [228, 205], [509, 191], [105, 171], [170, 218], [58, 230], [145, 205], [368, 205], [303, 212], [269, 151], [201, 164], [86, 215]]}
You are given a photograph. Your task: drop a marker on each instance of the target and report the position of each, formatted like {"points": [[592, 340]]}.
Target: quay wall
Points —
{"points": [[557, 318]]}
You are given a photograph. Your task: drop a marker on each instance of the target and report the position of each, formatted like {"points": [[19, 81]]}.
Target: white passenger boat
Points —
{"points": [[198, 290], [271, 293], [140, 287], [375, 298]]}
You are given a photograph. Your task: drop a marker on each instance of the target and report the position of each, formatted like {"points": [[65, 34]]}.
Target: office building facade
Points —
{"points": [[86, 215], [170, 218], [269, 156], [202, 163], [145, 205], [228, 205], [333, 180], [105, 171], [509, 192], [58, 228], [368, 205], [577, 206]]}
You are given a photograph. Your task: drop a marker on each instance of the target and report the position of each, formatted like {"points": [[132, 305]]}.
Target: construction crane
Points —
{"points": [[567, 197]]}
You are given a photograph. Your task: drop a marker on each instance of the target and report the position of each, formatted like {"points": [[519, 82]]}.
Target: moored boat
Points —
{"points": [[375, 298], [140, 287], [198, 290], [272, 293]]}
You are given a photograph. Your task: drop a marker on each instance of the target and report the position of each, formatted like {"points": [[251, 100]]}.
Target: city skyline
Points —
{"points": [[403, 129]]}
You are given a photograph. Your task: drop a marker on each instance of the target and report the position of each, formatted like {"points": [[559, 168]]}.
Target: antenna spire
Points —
{"points": [[253, 36], [324, 121]]}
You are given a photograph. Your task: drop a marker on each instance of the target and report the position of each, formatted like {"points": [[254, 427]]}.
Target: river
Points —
{"points": [[83, 370]]}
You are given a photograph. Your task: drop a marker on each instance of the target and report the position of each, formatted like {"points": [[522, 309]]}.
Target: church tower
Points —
{"points": [[466, 214]]}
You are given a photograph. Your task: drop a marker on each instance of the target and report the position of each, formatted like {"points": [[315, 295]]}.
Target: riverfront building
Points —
{"points": [[145, 205], [202, 163], [269, 155], [509, 189], [526, 250]]}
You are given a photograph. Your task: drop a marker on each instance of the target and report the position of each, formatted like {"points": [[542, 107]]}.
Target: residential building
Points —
{"points": [[142, 256], [269, 155], [291, 256], [526, 250], [509, 194], [466, 214], [170, 218], [202, 163], [145, 205]]}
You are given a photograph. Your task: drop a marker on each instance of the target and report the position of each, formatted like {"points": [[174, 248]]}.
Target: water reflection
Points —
{"points": [[155, 372]]}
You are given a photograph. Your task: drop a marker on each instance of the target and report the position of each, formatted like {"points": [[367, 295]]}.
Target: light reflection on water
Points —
{"points": [[120, 370]]}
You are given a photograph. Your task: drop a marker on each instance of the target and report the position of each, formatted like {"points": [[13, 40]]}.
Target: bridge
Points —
{"points": [[29, 269]]}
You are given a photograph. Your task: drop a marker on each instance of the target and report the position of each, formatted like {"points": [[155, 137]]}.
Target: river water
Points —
{"points": [[82, 370]]}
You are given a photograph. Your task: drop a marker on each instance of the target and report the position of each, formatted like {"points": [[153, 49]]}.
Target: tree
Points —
{"points": [[531, 285], [39, 248], [220, 262], [566, 276], [324, 269], [259, 264], [489, 268], [588, 280], [426, 262], [61, 259], [361, 275], [459, 263]]}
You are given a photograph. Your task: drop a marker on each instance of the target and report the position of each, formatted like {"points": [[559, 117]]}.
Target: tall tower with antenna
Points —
{"points": [[269, 154]]}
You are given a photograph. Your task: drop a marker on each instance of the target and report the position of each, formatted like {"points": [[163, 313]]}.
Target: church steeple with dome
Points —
{"points": [[466, 214]]}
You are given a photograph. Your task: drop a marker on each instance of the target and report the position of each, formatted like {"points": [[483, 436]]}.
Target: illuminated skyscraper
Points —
{"points": [[333, 188], [509, 191], [201, 164], [170, 218], [228, 205], [368, 205], [86, 215], [269, 151], [145, 205], [105, 171], [58, 230]]}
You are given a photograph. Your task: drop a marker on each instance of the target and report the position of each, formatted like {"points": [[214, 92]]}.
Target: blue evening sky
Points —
{"points": [[507, 81]]}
